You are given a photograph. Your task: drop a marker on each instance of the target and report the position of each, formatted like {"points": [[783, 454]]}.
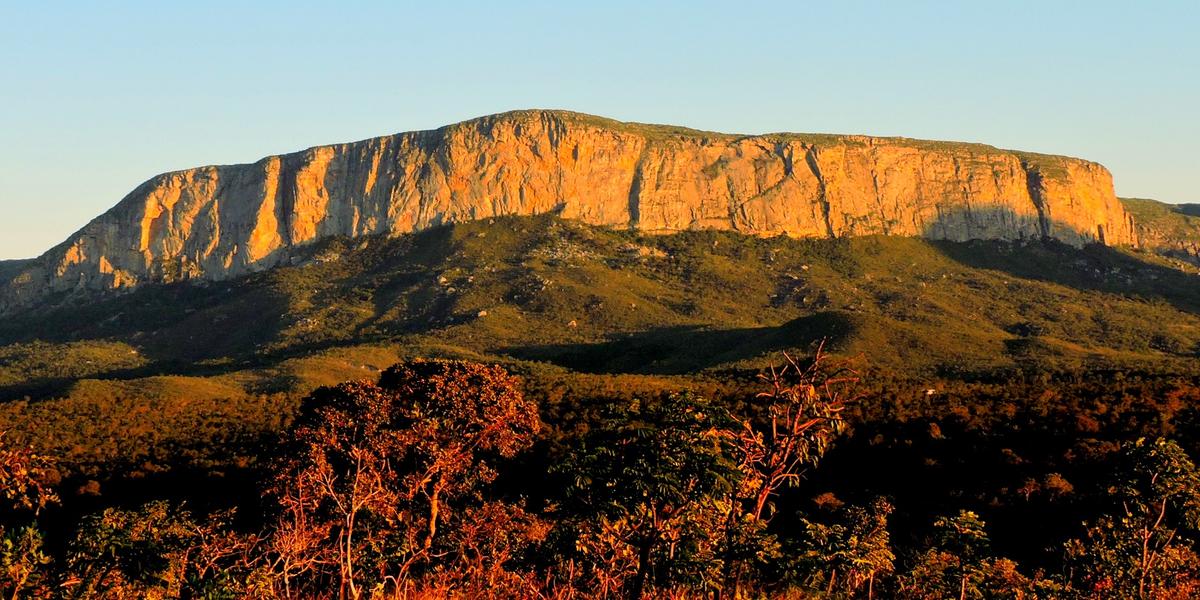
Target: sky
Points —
{"points": [[95, 98]]}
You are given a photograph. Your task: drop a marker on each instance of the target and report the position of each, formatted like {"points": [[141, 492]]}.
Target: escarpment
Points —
{"points": [[218, 222]]}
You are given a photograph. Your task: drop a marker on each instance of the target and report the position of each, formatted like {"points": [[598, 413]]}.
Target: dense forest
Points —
{"points": [[813, 478]]}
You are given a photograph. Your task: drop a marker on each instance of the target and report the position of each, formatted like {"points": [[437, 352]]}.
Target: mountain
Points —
{"points": [[1168, 229], [10, 269], [217, 222]]}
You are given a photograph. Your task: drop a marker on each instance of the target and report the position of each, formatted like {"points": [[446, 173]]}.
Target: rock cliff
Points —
{"points": [[222, 221]]}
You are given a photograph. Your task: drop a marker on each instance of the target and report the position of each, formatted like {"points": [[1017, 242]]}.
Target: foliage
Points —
{"points": [[26, 479], [644, 303], [802, 416], [803, 406], [441, 480], [155, 551], [376, 473], [851, 552], [199, 377], [23, 563], [24, 363], [648, 484], [960, 564], [1144, 550]]}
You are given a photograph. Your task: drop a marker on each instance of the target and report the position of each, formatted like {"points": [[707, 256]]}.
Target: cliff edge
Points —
{"points": [[217, 222]]}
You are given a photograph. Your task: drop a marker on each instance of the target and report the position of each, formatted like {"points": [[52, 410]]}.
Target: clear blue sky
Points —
{"points": [[96, 99]]}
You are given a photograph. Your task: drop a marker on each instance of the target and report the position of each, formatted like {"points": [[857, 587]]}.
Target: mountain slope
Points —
{"points": [[199, 371], [1167, 229], [219, 222], [603, 300], [10, 269]]}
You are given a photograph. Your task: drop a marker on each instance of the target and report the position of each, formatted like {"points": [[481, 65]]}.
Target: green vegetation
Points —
{"points": [[991, 442], [442, 480], [668, 133], [31, 363], [555, 291], [1176, 222], [1177, 219], [1139, 549], [193, 374]]}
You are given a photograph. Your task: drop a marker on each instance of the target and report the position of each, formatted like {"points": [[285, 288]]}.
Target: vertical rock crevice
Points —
{"points": [[634, 198], [1033, 185], [810, 157]]}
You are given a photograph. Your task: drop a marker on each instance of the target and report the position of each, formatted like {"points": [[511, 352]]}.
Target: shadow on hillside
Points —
{"points": [[213, 328], [1092, 267], [1191, 210], [42, 388], [178, 328], [674, 350]]}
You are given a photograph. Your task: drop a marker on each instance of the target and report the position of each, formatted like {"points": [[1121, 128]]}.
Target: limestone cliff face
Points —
{"points": [[222, 221]]}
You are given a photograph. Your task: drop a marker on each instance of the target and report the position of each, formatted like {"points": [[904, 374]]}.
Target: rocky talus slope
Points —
{"points": [[221, 221]]}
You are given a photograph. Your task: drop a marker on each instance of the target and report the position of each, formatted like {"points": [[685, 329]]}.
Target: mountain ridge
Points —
{"points": [[217, 222], [1171, 230]]}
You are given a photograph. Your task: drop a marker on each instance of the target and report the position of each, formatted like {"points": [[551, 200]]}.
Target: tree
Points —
{"points": [[959, 564], [803, 415], [649, 481], [141, 553], [1144, 550], [22, 562], [160, 551], [376, 471], [26, 480], [853, 550], [485, 538]]}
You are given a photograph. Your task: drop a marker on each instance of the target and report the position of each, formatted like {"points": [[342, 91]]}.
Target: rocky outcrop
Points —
{"points": [[10, 269], [221, 221]]}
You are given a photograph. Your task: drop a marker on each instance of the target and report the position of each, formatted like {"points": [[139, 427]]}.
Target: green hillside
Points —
{"points": [[1170, 230], [1175, 221], [189, 369], [595, 299]]}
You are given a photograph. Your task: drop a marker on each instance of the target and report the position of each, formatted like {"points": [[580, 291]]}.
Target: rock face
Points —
{"points": [[222, 221]]}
